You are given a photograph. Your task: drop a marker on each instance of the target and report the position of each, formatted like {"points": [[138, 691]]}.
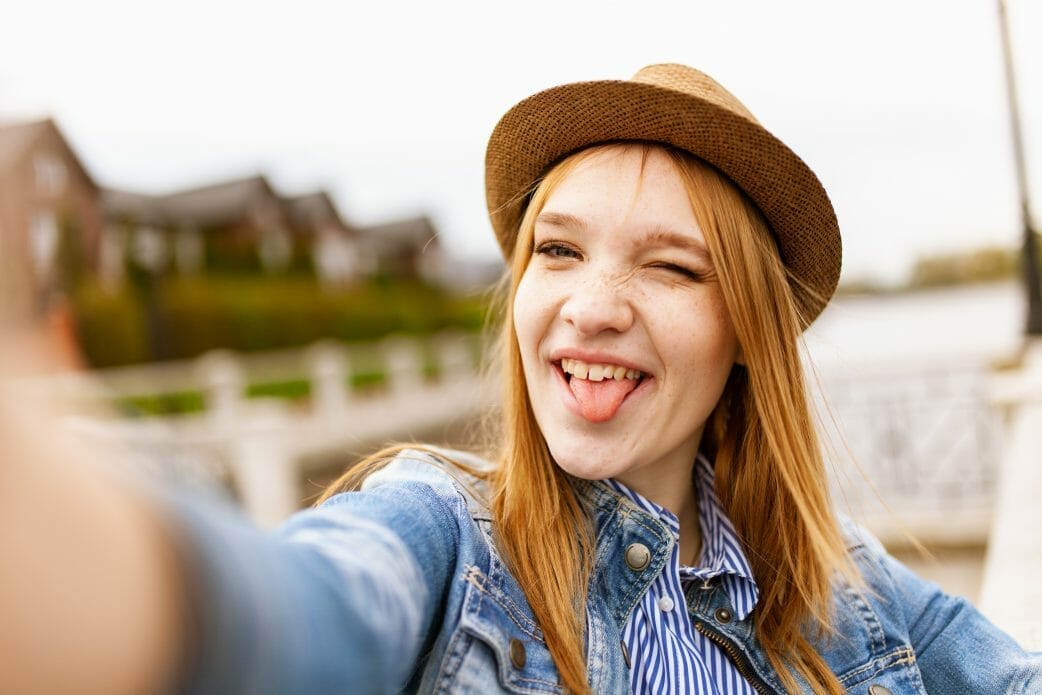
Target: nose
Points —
{"points": [[597, 306]]}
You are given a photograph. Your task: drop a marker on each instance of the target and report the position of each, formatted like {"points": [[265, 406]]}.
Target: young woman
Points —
{"points": [[655, 517]]}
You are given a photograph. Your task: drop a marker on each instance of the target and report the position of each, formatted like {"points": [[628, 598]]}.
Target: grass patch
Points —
{"points": [[162, 404], [292, 389]]}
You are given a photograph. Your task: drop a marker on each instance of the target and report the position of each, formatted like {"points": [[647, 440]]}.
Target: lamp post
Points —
{"points": [[1032, 281]]}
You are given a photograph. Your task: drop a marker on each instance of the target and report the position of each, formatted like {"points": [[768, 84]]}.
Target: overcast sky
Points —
{"points": [[898, 105]]}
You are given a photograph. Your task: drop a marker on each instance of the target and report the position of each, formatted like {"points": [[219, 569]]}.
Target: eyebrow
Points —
{"points": [[657, 236], [561, 219]]}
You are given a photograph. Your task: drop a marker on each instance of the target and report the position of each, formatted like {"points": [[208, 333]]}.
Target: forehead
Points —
{"points": [[626, 188]]}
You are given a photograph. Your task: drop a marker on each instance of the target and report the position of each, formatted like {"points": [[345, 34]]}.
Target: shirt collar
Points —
{"points": [[722, 553]]}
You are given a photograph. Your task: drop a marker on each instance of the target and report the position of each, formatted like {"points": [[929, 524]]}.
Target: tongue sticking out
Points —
{"points": [[600, 400]]}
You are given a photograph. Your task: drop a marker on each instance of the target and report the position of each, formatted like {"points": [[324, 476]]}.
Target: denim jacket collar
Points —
{"points": [[618, 524]]}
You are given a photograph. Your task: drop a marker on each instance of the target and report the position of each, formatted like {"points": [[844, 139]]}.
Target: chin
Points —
{"points": [[586, 462]]}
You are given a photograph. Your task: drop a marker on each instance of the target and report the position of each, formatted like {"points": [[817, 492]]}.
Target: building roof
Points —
{"points": [[411, 231], [313, 210], [219, 202], [17, 138], [205, 206], [139, 207]]}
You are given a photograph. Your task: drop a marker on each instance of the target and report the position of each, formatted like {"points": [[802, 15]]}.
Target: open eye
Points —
{"points": [[555, 249]]}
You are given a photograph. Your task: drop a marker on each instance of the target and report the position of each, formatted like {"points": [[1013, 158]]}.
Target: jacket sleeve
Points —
{"points": [[958, 650], [341, 599]]}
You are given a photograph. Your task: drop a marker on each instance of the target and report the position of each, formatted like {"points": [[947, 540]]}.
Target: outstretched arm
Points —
{"points": [[104, 589], [958, 649], [343, 596]]}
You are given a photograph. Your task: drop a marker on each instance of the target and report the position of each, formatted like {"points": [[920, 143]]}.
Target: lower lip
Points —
{"points": [[573, 405]]}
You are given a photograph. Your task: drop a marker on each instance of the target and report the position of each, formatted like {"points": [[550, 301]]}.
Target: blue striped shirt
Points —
{"points": [[667, 655]]}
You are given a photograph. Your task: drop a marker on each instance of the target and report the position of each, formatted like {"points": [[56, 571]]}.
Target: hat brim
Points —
{"points": [[546, 127]]}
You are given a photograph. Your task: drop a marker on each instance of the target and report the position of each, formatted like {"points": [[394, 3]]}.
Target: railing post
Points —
{"points": [[254, 440], [330, 390], [404, 365], [223, 386], [1011, 593], [454, 356], [262, 463]]}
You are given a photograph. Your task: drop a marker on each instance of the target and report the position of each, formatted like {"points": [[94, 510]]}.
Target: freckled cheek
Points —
{"points": [[694, 337]]}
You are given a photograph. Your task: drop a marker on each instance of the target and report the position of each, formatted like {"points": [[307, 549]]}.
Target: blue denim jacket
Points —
{"points": [[399, 587]]}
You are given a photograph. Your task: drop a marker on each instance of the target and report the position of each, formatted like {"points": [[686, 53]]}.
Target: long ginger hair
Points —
{"points": [[770, 474]]}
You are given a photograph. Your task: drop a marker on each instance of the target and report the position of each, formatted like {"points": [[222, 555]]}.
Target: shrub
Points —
{"points": [[256, 312], [112, 329]]}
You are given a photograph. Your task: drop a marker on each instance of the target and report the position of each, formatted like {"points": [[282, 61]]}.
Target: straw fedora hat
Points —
{"points": [[685, 108]]}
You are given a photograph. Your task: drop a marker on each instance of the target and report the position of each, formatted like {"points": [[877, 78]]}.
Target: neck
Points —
{"points": [[672, 487]]}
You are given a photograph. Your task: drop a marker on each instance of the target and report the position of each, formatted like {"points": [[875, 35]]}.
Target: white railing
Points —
{"points": [[327, 366], [952, 455], [915, 451], [266, 445]]}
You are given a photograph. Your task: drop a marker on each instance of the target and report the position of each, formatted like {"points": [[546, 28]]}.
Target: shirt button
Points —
{"points": [[637, 556], [665, 604]]}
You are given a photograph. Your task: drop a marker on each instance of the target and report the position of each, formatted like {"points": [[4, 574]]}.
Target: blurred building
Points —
{"points": [[408, 248], [51, 217], [242, 225], [335, 247], [57, 224]]}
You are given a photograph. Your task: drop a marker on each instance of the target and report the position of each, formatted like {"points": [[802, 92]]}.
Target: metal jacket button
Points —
{"points": [[878, 690], [637, 556], [517, 653], [722, 615]]}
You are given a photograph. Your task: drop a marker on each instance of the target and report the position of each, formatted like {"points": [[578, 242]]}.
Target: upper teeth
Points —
{"points": [[598, 372]]}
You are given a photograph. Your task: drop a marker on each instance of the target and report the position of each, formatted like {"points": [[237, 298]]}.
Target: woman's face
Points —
{"points": [[624, 336]]}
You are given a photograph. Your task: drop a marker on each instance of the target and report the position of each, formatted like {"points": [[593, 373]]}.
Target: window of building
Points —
{"points": [[149, 248], [43, 240], [50, 173], [188, 250], [335, 257], [110, 257], [276, 249]]}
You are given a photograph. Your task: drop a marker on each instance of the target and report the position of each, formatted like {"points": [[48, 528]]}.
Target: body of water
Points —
{"points": [[926, 330]]}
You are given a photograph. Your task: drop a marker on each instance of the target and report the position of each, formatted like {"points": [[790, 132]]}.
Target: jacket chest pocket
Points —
{"points": [[497, 647], [895, 673]]}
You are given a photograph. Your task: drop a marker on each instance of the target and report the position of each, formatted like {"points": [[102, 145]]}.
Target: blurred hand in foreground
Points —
{"points": [[90, 592]]}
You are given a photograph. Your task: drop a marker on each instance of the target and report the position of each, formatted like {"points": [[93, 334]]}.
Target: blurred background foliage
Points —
{"points": [[183, 317], [979, 265]]}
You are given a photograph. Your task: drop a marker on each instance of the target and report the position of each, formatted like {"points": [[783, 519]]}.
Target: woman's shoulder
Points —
{"points": [[415, 497], [861, 543], [891, 596], [873, 562], [448, 473], [902, 618]]}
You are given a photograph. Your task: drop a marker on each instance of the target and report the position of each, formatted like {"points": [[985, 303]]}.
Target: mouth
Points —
{"points": [[597, 372], [598, 389]]}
